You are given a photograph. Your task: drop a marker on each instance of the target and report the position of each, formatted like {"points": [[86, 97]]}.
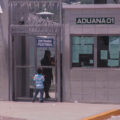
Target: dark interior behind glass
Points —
{"points": [[108, 51]]}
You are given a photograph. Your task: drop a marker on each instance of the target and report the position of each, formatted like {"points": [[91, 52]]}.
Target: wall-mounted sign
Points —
{"points": [[44, 42], [99, 20]]}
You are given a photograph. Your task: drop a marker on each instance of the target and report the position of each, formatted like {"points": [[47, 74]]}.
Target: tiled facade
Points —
{"points": [[94, 85]]}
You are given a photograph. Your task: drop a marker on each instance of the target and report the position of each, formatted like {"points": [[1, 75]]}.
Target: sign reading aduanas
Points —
{"points": [[98, 20]]}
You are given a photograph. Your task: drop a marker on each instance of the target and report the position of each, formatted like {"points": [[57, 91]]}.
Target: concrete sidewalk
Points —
{"points": [[51, 110]]}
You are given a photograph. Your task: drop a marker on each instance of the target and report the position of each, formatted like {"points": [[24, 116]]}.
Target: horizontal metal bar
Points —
{"points": [[34, 29], [47, 66], [56, 25], [41, 1], [19, 66]]}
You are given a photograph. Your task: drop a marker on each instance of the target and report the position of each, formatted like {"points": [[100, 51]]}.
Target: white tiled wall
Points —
{"points": [[90, 85]]}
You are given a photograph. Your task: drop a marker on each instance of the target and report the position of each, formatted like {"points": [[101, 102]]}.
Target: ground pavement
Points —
{"points": [[51, 110]]}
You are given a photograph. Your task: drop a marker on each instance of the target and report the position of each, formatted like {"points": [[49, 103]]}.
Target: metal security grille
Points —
{"points": [[24, 18], [25, 24]]}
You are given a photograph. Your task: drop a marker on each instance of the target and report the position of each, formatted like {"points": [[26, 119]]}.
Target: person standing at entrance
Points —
{"points": [[46, 61], [39, 86]]}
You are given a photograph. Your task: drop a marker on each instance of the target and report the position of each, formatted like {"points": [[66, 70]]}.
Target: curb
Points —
{"points": [[104, 115]]}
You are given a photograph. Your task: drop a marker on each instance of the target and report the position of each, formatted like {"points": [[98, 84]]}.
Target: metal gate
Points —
{"points": [[25, 53]]}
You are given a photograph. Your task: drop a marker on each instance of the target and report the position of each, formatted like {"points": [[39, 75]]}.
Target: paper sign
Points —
{"points": [[91, 61], [75, 54], [103, 54], [114, 51], [44, 42], [113, 63], [86, 49]]}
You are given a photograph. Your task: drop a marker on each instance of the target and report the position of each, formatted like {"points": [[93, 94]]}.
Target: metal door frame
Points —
{"points": [[13, 67]]}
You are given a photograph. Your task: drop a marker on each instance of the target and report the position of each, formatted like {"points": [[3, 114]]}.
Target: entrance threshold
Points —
{"points": [[29, 99]]}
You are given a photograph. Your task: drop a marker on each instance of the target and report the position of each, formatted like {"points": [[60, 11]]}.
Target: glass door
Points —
{"points": [[46, 59], [29, 52], [24, 65]]}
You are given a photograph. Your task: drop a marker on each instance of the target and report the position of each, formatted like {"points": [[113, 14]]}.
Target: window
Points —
{"points": [[82, 51], [108, 51]]}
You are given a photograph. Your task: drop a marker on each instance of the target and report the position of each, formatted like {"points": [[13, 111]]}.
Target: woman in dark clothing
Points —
{"points": [[46, 61]]}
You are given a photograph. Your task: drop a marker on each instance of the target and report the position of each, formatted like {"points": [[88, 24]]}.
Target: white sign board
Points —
{"points": [[44, 42]]}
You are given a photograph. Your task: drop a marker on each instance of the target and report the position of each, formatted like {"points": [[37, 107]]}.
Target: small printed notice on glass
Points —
{"points": [[113, 63], [85, 49], [104, 54], [91, 61], [75, 53]]}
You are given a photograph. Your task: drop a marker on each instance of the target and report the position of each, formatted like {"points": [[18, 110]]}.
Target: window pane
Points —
{"points": [[108, 51], [82, 51]]}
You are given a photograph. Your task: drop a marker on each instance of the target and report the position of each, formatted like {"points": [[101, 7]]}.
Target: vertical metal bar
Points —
{"points": [[60, 42], [13, 67], [27, 41], [58, 66], [10, 50], [95, 51], [15, 70], [10, 67], [35, 53], [60, 2], [9, 55], [56, 79]]}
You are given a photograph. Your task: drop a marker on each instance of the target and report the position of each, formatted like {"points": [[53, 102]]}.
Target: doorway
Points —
{"points": [[28, 51]]}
